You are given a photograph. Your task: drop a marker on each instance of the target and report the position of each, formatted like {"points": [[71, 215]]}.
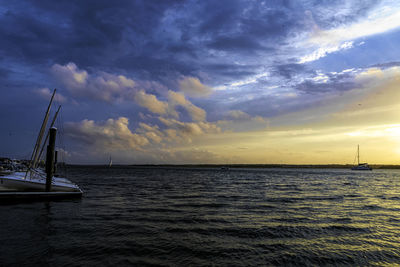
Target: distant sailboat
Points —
{"points": [[110, 162], [361, 166]]}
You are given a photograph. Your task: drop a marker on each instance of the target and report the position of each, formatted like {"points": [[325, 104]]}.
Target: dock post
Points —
{"points": [[50, 158], [55, 162]]}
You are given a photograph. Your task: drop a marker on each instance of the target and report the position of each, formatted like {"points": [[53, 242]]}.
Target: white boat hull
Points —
{"points": [[17, 182], [362, 167]]}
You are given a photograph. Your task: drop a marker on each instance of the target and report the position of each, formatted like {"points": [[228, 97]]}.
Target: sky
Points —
{"points": [[200, 82]]}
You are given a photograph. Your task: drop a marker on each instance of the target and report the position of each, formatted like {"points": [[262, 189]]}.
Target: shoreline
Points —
{"points": [[239, 166]]}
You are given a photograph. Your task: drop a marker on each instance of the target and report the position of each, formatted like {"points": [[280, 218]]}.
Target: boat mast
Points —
{"points": [[47, 136], [358, 154], [35, 152]]}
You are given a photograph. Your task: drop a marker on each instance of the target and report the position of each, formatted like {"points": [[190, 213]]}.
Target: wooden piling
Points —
{"points": [[55, 162], [50, 158]]}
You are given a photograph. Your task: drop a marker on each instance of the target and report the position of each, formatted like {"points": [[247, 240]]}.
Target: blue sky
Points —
{"points": [[203, 81]]}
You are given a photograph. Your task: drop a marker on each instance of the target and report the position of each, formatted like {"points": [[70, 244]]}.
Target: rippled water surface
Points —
{"points": [[179, 217]]}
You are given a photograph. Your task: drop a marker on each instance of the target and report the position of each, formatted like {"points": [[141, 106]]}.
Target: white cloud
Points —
{"points": [[115, 135], [248, 81], [109, 87], [70, 75], [154, 105], [110, 135], [379, 21], [195, 112], [385, 17], [323, 51], [178, 130], [239, 115], [102, 86], [167, 108], [193, 87], [151, 132]]}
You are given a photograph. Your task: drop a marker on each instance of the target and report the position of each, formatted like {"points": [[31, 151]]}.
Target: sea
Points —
{"points": [[166, 216]]}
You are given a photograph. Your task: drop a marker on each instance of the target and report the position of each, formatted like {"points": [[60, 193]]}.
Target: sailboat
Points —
{"points": [[110, 162], [361, 166], [35, 178]]}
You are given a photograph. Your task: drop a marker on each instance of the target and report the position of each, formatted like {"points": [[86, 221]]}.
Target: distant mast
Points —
{"points": [[110, 162], [360, 166]]}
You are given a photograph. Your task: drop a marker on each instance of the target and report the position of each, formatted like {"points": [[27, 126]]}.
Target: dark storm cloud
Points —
{"points": [[26, 38], [288, 70], [386, 65], [3, 73], [80, 31], [150, 37], [333, 83], [224, 41], [270, 106], [232, 70], [260, 19], [310, 87], [309, 91], [153, 68], [193, 62], [336, 12], [248, 26], [157, 38], [233, 43]]}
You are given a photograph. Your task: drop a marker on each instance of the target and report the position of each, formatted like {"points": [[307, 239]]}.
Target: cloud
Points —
{"points": [[226, 71], [169, 60], [151, 132], [239, 115], [70, 76], [386, 65], [154, 105], [111, 135], [110, 88], [193, 87], [372, 19], [302, 91], [380, 20], [323, 51], [328, 86], [103, 86], [167, 108], [290, 70], [179, 38], [114, 135], [240, 43], [177, 130], [178, 99]]}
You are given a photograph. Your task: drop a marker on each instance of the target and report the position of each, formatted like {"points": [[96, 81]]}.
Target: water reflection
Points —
{"points": [[204, 217]]}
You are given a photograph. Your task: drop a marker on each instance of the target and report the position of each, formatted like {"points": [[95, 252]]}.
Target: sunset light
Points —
{"points": [[294, 84], [199, 133]]}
